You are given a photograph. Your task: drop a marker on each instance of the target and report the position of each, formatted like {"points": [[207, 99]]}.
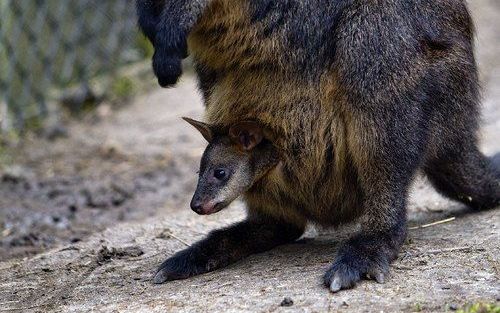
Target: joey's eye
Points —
{"points": [[220, 174]]}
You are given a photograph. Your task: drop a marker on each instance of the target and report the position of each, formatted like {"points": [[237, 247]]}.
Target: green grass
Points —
{"points": [[144, 46], [480, 308], [123, 88]]}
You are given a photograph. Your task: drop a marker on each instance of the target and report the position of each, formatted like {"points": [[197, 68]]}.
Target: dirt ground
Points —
{"points": [[86, 219]]}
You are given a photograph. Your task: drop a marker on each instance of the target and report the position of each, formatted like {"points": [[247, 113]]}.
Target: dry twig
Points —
{"points": [[434, 223]]}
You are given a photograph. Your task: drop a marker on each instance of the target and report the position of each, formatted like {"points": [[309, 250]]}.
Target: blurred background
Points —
{"points": [[88, 139], [49, 47]]}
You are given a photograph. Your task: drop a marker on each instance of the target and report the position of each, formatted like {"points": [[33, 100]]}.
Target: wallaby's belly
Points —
{"points": [[331, 199]]}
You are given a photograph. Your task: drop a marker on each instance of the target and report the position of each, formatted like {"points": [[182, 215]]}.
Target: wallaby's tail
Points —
{"points": [[469, 177]]}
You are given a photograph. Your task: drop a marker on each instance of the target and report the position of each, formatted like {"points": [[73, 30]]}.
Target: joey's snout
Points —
{"points": [[205, 206], [208, 197]]}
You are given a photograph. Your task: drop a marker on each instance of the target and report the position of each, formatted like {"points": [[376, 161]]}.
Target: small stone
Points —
{"points": [[72, 208], [287, 301], [75, 240], [453, 307]]}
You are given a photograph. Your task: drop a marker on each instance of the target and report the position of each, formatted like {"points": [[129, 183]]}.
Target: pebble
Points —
{"points": [[287, 301], [453, 307]]}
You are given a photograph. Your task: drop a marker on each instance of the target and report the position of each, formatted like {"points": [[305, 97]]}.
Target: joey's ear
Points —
{"points": [[203, 128], [246, 134]]}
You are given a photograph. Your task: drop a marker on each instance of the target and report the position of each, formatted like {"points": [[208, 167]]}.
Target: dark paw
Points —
{"points": [[167, 69], [354, 263], [185, 264], [180, 266]]}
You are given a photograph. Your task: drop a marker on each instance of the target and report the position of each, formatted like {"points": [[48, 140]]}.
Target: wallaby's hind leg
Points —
{"points": [[466, 176]]}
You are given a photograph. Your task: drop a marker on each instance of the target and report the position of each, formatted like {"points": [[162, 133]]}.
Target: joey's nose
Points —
{"points": [[203, 207], [197, 206]]}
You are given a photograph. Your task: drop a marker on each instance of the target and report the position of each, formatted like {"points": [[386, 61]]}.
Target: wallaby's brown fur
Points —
{"points": [[358, 94]]}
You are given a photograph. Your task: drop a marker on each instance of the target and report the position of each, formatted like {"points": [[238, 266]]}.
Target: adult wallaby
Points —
{"points": [[358, 95]]}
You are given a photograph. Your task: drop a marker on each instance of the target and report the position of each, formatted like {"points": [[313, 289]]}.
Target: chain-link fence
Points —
{"points": [[46, 45]]}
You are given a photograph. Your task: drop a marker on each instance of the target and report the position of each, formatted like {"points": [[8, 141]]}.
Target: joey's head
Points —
{"points": [[233, 161]]}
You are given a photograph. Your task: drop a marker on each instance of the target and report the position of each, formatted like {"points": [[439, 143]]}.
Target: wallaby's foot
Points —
{"points": [[167, 69], [362, 257], [183, 265], [167, 61], [226, 246]]}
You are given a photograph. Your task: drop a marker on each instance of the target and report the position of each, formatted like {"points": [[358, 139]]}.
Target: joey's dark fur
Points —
{"points": [[358, 95]]}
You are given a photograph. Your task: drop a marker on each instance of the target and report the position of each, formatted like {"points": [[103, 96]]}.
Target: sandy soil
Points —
{"points": [[85, 220]]}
